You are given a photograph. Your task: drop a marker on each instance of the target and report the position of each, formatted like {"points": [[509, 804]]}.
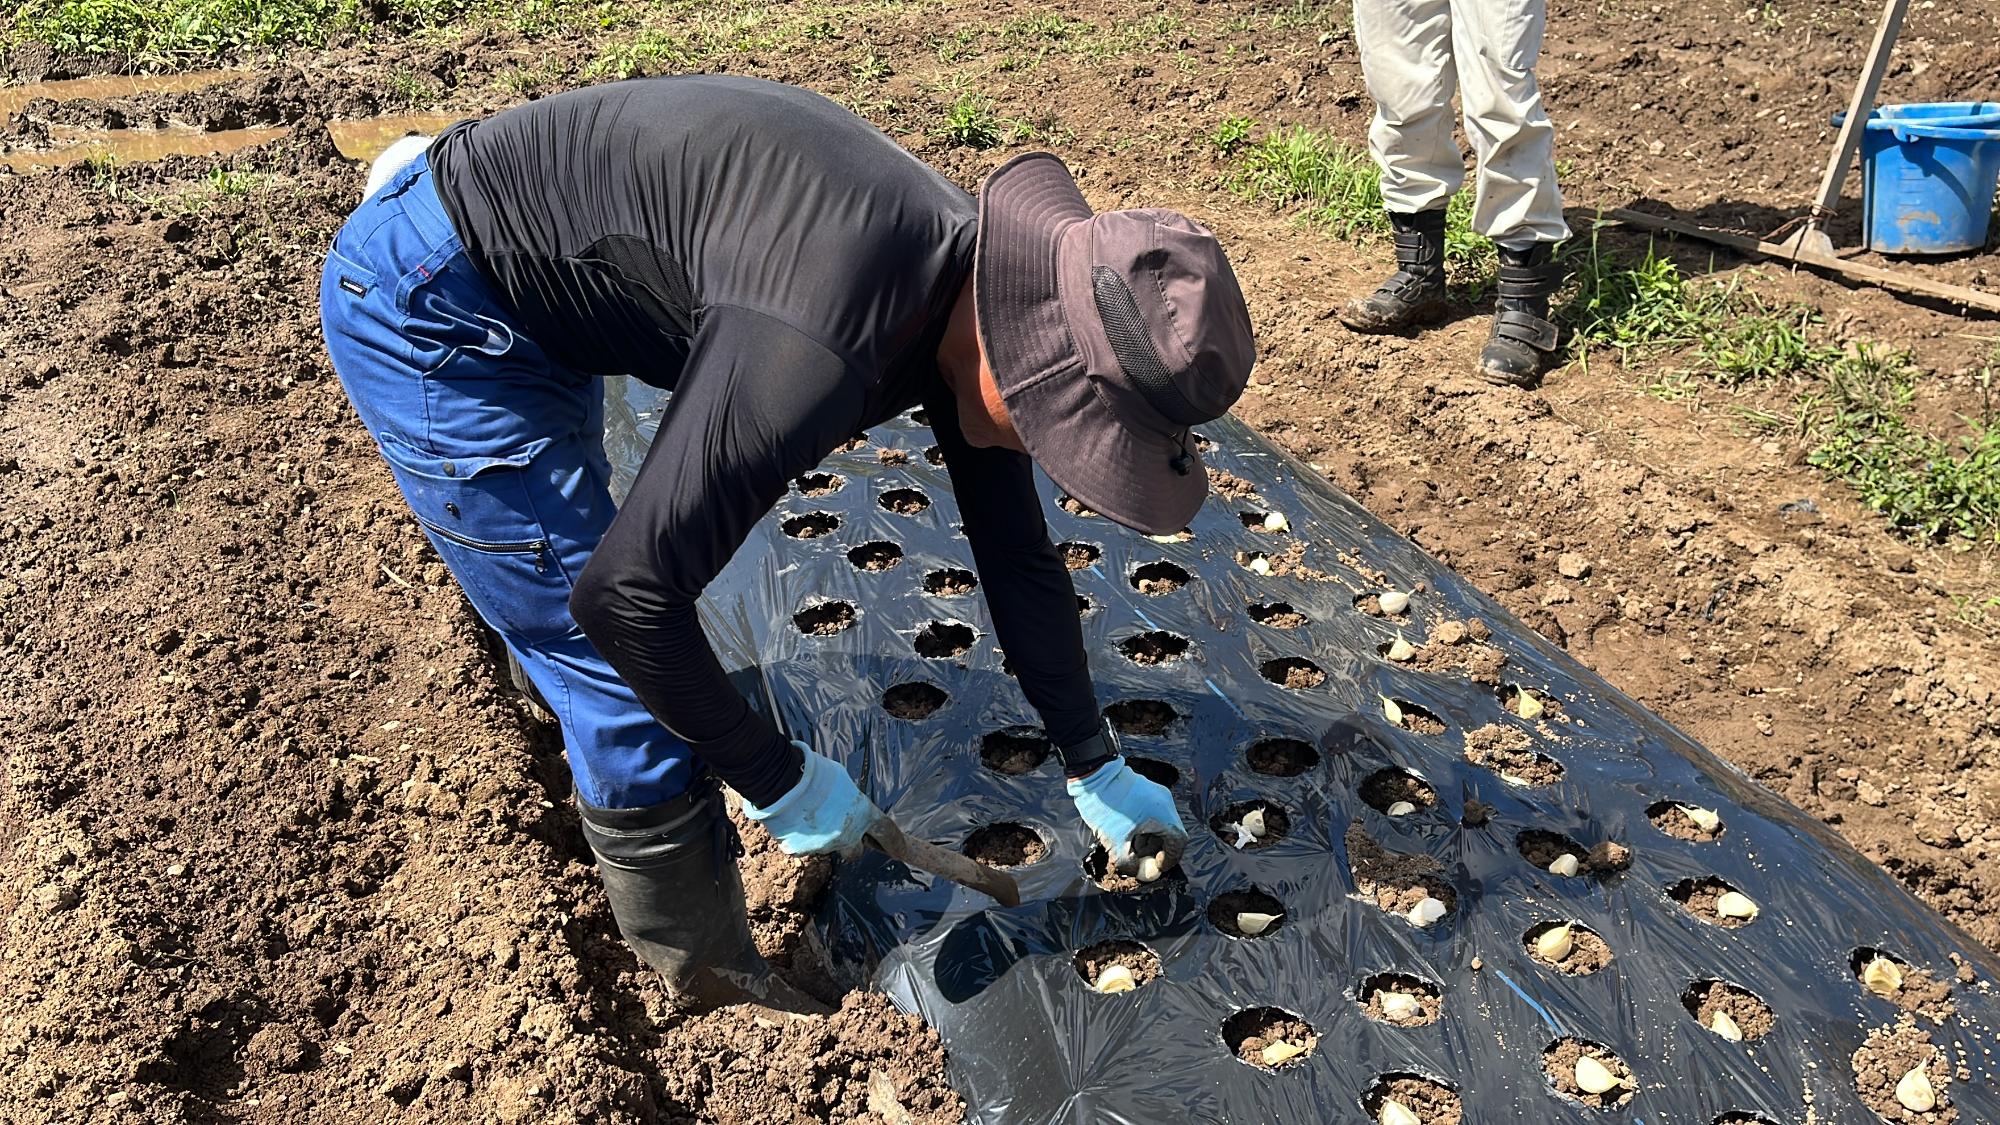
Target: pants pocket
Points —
{"points": [[479, 514]]}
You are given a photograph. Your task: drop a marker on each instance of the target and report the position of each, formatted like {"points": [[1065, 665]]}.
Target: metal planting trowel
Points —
{"points": [[885, 837]]}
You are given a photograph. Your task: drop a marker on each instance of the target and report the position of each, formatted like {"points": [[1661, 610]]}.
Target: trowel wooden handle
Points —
{"points": [[887, 838]]}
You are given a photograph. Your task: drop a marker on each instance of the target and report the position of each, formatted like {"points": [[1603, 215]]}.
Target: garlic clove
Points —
{"points": [[1554, 945], [1392, 712], [1401, 808], [1250, 923], [1725, 1025], [1243, 837], [1882, 976], [1164, 538], [1149, 869], [1426, 912], [1565, 865], [1276, 1053], [1735, 904], [1593, 1077], [1394, 1112], [1399, 1005], [1402, 651], [1392, 602], [1526, 705], [1116, 978], [1260, 566], [1914, 1091], [1276, 521], [1253, 823], [1704, 819]]}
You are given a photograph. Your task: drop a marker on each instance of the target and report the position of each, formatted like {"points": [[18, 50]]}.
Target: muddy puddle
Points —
{"points": [[12, 98]]}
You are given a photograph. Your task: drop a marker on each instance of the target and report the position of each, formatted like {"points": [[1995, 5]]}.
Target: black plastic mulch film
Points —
{"points": [[1030, 1040]]}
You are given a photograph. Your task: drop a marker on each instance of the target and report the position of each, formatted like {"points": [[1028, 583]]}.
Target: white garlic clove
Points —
{"points": [[1393, 602], [1914, 1091], [1394, 1112], [1593, 1077], [1149, 869], [1253, 823], [1882, 976], [1243, 837], [1399, 1005], [1564, 865], [1402, 651], [1276, 521], [1164, 538], [1283, 1049], [1392, 712], [1260, 566], [1725, 1025], [1116, 978], [1250, 923], [1526, 705], [1735, 904], [1704, 819], [1401, 808], [1426, 912], [1554, 945]]}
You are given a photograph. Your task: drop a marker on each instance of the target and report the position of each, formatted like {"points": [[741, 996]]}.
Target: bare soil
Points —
{"points": [[1156, 578], [1752, 1016], [1295, 672], [914, 701], [1430, 1003], [1281, 757], [1397, 881], [1921, 993], [1014, 751], [1891, 1053], [1223, 910], [1155, 647], [944, 640], [1278, 615], [950, 583], [905, 501], [1081, 556], [824, 619], [1433, 1103], [1384, 789], [1699, 897], [1143, 963], [1250, 1031], [1510, 752], [1149, 718], [1560, 1063], [1006, 845], [1587, 952], [1674, 820]]}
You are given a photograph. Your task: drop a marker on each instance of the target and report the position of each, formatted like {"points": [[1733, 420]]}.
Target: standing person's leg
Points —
{"points": [[1519, 205], [498, 450], [1406, 57]]}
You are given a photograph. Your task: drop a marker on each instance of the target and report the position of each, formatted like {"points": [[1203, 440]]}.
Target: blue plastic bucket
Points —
{"points": [[1928, 172]]}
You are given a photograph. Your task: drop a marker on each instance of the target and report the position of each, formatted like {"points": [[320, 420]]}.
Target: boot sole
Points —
{"points": [[1424, 319]]}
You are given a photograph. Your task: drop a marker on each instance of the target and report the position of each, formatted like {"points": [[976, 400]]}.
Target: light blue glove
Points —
{"points": [[1133, 818], [824, 812]]}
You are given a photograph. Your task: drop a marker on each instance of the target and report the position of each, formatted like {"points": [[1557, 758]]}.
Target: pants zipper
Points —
{"points": [[539, 548]]}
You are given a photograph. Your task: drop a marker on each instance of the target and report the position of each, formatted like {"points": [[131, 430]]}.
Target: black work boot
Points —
{"points": [[1523, 337], [1414, 294], [670, 873]]}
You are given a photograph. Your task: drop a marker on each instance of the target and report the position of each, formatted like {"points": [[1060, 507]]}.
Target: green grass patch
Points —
{"points": [[970, 121]]}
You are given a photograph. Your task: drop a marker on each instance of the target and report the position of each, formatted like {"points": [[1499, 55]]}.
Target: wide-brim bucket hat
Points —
{"points": [[1109, 336]]}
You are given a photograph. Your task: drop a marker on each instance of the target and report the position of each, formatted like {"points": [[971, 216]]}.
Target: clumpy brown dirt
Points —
{"points": [[1281, 757], [914, 701], [1510, 698], [1396, 881], [1430, 1003], [1223, 910], [1288, 563], [1607, 857], [1156, 578], [1921, 993], [1075, 508], [905, 501], [950, 583], [1752, 1016], [1671, 818], [1154, 647], [1148, 717], [1459, 648], [1543, 848], [1433, 1103], [1143, 963], [1249, 1031], [1559, 1061], [820, 484], [1014, 751], [1888, 1055], [1226, 483], [893, 456], [934, 455], [1419, 720], [1587, 952], [1699, 897], [877, 556], [1385, 788], [1080, 556], [824, 619], [1006, 845], [1510, 752], [1295, 672], [1277, 615]]}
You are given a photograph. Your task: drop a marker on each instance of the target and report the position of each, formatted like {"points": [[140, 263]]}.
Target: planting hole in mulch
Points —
{"points": [[1006, 845], [921, 417], [1430, 1102], [824, 619], [1510, 752], [1409, 885], [942, 640], [1277, 615], [1097, 866], [1389, 790], [1227, 912], [876, 556], [1372, 604], [1400, 999], [820, 484], [1887, 1059], [934, 455], [851, 444], [1576, 949], [1270, 1038], [1155, 771], [1560, 1063], [1281, 757], [1261, 523], [1154, 647], [810, 525], [1542, 849], [950, 583], [1744, 1016], [904, 501], [1251, 825], [1080, 556], [1084, 606], [1293, 672], [1677, 820], [1744, 1117], [1888, 977], [914, 701], [1075, 508], [1156, 578], [893, 456], [1146, 717], [1116, 966], [1015, 750], [1412, 718], [1714, 901], [1528, 703]]}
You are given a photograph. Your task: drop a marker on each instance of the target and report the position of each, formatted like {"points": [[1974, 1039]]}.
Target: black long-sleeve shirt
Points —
{"points": [[788, 271]]}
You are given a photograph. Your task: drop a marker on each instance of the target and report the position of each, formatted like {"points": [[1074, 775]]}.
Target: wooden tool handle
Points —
{"points": [[891, 841]]}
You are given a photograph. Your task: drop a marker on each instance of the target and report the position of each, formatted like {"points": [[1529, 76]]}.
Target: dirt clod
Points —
{"points": [[1080, 556], [1509, 752], [1397, 882], [1230, 485]]}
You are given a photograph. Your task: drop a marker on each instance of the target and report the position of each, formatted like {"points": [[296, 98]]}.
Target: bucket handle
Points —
{"points": [[1903, 133]]}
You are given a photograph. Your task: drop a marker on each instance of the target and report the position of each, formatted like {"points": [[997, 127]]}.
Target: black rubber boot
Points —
{"points": [[1414, 294], [1523, 339], [670, 873]]}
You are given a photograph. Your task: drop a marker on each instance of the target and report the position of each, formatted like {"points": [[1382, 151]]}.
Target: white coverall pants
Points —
{"points": [[1414, 55]]}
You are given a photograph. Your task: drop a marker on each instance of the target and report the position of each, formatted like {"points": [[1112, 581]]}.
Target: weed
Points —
{"points": [[1050, 27], [408, 88], [971, 122], [1232, 134], [871, 69]]}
